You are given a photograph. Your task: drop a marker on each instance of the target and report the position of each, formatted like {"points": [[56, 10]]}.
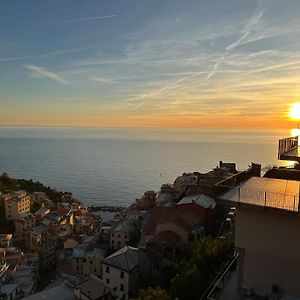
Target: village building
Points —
{"points": [[84, 288], [12, 256], [41, 213], [92, 262], [15, 204], [5, 240], [182, 182], [42, 243], [122, 234], [121, 271], [38, 197], [77, 261], [202, 205], [23, 226], [266, 225], [148, 200]]}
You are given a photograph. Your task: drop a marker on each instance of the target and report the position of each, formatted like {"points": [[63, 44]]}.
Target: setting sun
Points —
{"points": [[294, 112]]}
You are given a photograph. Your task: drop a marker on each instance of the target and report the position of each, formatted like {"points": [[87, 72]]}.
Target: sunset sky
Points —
{"points": [[154, 63]]}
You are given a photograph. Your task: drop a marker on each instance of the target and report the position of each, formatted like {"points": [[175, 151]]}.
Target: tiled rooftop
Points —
{"points": [[200, 199], [125, 259]]}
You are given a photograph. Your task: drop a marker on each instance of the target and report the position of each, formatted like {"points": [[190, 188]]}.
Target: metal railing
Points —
{"points": [[283, 201], [287, 144], [216, 286]]}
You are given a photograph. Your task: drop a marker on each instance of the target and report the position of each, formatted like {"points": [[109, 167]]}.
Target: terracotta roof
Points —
{"points": [[176, 219], [62, 211], [167, 238], [157, 215]]}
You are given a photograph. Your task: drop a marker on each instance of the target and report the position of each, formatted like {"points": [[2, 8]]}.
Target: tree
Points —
{"points": [[188, 285], [208, 253], [205, 257], [153, 294]]}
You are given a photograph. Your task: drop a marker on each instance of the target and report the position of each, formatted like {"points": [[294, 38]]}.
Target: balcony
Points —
{"points": [[288, 149]]}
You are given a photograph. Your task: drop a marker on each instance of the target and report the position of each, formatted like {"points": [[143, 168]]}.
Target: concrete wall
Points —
{"points": [[92, 265], [119, 239], [271, 245], [113, 278]]}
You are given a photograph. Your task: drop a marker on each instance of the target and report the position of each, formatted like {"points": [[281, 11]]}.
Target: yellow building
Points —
{"points": [[15, 204], [92, 263]]}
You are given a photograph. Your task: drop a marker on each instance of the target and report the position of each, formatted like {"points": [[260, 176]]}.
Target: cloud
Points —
{"points": [[50, 54], [100, 79], [247, 30], [149, 55], [39, 72], [85, 19]]}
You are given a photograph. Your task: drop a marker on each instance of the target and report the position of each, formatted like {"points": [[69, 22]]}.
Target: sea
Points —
{"points": [[105, 166]]}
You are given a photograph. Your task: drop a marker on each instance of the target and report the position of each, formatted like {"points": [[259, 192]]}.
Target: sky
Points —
{"points": [[149, 63]]}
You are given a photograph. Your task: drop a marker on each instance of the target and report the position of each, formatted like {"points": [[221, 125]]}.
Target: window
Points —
{"points": [[107, 270], [122, 287], [122, 274], [118, 235], [107, 280], [112, 241], [95, 270]]}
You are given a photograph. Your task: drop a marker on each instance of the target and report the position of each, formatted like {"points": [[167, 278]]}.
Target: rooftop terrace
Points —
{"points": [[272, 193]]}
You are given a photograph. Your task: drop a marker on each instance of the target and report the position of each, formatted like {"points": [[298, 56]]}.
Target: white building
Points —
{"points": [[120, 271]]}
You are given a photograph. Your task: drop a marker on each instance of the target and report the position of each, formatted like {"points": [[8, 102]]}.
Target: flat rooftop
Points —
{"points": [[266, 192]]}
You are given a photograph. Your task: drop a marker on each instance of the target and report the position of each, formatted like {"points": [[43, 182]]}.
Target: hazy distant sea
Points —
{"points": [[114, 166]]}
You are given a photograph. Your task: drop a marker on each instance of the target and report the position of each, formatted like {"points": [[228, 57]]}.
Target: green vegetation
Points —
{"points": [[205, 257], [8, 185], [153, 294], [35, 207]]}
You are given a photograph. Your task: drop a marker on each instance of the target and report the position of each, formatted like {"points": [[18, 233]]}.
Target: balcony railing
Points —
{"points": [[288, 149], [265, 199]]}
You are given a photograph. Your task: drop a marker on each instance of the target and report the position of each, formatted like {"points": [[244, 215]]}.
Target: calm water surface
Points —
{"points": [[114, 166]]}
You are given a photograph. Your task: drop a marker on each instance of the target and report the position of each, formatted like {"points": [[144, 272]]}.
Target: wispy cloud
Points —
{"points": [[150, 51], [100, 79], [248, 28], [86, 19], [39, 72], [50, 54]]}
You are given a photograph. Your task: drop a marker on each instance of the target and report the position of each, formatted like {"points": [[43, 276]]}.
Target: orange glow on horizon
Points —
{"points": [[171, 121]]}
